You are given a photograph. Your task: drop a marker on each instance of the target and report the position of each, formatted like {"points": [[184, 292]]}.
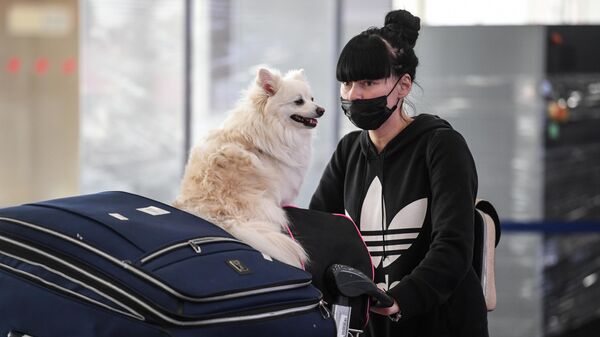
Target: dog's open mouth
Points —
{"points": [[309, 122]]}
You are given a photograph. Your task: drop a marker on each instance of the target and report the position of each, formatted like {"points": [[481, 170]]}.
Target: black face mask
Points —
{"points": [[371, 113]]}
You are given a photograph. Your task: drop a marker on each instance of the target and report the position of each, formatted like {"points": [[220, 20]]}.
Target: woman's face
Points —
{"points": [[364, 89]]}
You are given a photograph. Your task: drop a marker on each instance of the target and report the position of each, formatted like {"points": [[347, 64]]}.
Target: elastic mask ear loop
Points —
{"points": [[394, 87]]}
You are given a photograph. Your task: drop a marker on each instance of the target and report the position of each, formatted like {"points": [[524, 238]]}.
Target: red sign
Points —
{"points": [[69, 66], [13, 65], [41, 66]]}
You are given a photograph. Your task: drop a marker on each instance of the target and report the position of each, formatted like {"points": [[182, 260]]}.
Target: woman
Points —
{"points": [[410, 185]]}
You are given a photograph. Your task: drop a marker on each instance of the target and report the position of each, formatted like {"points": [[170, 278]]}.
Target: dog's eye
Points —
{"points": [[299, 101], [312, 99]]}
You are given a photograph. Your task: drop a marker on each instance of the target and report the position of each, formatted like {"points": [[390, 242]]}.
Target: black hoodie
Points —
{"points": [[414, 204]]}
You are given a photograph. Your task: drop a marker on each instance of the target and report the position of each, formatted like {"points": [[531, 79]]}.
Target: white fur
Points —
{"points": [[241, 174]]}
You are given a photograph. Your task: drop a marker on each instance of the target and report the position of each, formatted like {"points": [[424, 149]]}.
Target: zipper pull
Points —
{"points": [[126, 264], [195, 247], [324, 310]]}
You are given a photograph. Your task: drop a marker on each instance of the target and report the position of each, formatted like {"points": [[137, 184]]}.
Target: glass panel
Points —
{"points": [[132, 97]]}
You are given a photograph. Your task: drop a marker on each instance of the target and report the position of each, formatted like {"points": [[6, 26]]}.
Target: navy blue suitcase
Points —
{"points": [[118, 264]]}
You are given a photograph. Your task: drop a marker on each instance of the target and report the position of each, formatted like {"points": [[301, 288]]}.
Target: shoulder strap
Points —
{"points": [[487, 237]]}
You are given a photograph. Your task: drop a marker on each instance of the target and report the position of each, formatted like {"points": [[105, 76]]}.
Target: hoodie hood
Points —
{"points": [[421, 124]]}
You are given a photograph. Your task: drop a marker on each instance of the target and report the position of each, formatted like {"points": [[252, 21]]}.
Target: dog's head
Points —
{"points": [[287, 99]]}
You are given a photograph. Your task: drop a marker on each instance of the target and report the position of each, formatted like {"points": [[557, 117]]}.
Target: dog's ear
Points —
{"points": [[268, 81], [297, 74]]}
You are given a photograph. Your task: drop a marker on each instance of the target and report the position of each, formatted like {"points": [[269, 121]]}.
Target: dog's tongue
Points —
{"points": [[310, 122]]}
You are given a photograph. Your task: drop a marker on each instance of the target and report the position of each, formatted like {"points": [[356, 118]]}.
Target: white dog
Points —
{"points": [[241, 174]]}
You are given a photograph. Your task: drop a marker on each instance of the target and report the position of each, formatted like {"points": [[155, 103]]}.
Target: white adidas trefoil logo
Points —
{"points": [[387, 286], [405, 226]]}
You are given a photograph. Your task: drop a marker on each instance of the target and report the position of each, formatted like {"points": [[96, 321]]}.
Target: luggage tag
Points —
{"points": [[341, 316]]}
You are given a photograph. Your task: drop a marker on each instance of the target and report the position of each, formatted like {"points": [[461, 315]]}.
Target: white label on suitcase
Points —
{"points": [[153, 210], [118, 216]]}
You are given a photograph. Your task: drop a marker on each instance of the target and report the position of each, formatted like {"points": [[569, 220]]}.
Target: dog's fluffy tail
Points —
{"points": [[277, 245]]}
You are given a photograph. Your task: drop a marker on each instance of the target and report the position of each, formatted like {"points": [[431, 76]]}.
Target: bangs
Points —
{"points": [[365, 57]]}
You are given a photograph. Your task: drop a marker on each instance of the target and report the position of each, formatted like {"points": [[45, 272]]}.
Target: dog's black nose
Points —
{"points": [[320, 111]]}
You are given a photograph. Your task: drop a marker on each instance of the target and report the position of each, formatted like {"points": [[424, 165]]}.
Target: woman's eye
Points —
{"points": [[346, 84], [299, 101], [369, 83]]}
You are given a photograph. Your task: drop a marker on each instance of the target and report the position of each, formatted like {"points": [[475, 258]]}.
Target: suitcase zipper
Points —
{"points": [[130, 312], [158, 313], [17, 334], [129, 267], [195, 244]]}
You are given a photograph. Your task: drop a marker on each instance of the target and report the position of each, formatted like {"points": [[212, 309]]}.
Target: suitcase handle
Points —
{"points": [[351, 282]]}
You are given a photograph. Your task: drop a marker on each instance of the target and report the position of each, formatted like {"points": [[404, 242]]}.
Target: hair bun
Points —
{"points": [[402, 24]]}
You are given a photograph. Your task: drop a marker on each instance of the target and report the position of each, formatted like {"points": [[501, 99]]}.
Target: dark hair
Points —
{"points": [[380, 52]]}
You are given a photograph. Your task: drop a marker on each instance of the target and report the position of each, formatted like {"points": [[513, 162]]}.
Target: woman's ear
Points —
{"points": [[404, 86]]}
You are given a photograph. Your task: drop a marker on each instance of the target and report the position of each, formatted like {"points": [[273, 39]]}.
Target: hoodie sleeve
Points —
{"points": [[453, 183], [329, 196]]}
